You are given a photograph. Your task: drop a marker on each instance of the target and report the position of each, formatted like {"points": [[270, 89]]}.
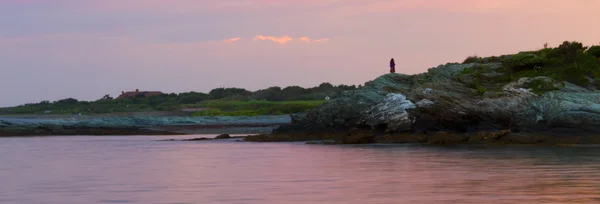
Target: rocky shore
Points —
{"points": [[144, 125], [452, 104]]}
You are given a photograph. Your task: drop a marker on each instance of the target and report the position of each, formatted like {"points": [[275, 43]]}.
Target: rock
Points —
{"points": [[570, 87], [197, 139], [425, 103], [360, 137], [323, 142], [483, 137], [516, 88], [442, 137], [427, 90], [561, 109], [223, 136], [392, 113]]}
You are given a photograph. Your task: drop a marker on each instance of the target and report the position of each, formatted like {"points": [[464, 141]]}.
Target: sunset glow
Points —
{"points": [[191, 45]]}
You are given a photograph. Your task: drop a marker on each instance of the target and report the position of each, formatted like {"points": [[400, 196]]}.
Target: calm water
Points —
{"points": [[142, 170]]}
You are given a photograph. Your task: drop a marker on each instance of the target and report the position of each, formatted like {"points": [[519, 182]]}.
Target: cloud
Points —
{"points": [[305, 39], [231, 40], [280, 40], [308, 40]]}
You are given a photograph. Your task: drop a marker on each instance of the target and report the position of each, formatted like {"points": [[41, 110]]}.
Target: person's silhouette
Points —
{"points": [[392, 66]]}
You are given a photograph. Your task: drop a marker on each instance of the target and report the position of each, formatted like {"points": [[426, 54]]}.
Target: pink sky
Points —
{"points": [[53, 49]]}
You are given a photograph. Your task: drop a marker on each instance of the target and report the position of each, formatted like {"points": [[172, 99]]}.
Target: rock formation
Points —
{"points": [[449, 103]]}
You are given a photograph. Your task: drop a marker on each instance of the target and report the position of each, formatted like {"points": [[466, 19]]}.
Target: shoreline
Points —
{"points": [[503, 137], [168, 125]]}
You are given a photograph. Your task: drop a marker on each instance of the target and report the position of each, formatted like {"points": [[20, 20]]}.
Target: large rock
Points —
{"points": [[391, 113], [574, 111]]}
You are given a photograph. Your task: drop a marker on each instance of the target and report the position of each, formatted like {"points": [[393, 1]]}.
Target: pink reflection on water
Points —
{"points": [[141, 170]]}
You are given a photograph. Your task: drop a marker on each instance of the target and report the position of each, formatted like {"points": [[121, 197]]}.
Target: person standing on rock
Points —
{"points": [[392, 66]]}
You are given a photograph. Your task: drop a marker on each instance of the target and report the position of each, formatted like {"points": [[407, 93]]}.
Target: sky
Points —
{"points": [[55, 49]]}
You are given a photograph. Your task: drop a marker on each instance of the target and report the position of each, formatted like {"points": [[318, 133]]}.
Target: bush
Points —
{"points": [[567, 51], [594, 51], [541, 86], [480, 89], [472, 59], [523, 61]]}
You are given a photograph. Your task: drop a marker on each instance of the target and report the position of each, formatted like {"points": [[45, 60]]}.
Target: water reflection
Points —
{"points": [[141, 170]]}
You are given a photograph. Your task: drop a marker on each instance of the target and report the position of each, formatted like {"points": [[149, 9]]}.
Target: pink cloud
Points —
{"points": [[308, 40], [305, 39], [280, 40], [231, 40]]}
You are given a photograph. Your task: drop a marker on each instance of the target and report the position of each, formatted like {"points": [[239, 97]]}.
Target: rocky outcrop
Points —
{"points": [[447, 105]]}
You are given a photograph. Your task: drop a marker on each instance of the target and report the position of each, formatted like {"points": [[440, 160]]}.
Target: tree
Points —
{"points": [[106, 97], [220, 93], [270, 94], [594, 51], [568, 51], [67, 101]]}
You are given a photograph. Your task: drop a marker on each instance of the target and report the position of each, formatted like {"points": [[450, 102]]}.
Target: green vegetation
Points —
{"points": [[252, 108], [480, 89], [222, 101], [472, 59], [476, 78], [570, 61], [594, 51], [540, 86]]}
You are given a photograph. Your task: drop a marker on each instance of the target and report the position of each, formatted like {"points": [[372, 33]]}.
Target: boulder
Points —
{"points": [[392, 112]]}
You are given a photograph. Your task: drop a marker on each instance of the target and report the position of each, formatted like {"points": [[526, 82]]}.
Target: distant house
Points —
{"points": [[131, 94]]}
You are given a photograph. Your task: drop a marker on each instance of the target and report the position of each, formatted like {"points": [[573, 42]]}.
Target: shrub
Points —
{"points": [[480, 89], [594, 51], [472, 59], [523, 61], [567, 51], [541, 86], [468, 70]]}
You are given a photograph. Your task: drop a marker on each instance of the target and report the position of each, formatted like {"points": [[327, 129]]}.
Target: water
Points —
{"points": [[136, 169]]}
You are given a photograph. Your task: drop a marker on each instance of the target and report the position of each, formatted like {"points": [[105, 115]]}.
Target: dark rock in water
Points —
{"points": [[443, 106], [168, 140], [197, 139], [359, 137], [223, 136], [324, 142]]}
